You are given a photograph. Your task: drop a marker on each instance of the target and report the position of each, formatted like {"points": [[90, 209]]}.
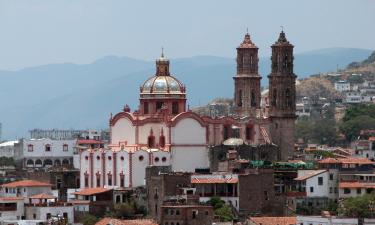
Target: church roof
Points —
{"points": [[247, 43]]}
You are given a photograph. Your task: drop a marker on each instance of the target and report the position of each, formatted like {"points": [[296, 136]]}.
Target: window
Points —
{"points": [[151, 141], [311, 189], [175, 108], [65, 147], [330, 190], [122, 181], [109, 158], [288, 96], [266, 195], [48, 216], [140, 158], [109, 179], [30, 148], [65, 215], [226, 132], [239, 102], [86, 181], [157, 159], [359, 191], [164, 159], [274, 98], [320, 181], [98, 180], [162, 141], [48, 148], [253, 100], [177, 212], [145, 107], [159, 105], [346, 191], [34, 216], [249, 133], [331, 176], [195, 213]]}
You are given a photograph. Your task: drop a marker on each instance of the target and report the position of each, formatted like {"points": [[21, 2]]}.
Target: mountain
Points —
{"points": [[74, 96]]}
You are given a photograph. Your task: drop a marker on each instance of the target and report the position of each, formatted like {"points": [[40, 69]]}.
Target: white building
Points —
{"points": [[24, 189], [7, 148], [44, 153], [315, 183], [11, 208], [319, 220], [342, 86]]}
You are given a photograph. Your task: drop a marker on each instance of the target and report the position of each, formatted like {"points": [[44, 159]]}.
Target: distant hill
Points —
{"points": [[82, 96]]}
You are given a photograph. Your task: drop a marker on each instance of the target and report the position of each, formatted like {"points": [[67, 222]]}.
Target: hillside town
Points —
{"points": [[251, 160]]}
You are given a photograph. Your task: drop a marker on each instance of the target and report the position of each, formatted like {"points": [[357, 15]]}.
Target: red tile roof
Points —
{"points": [[26, 183], [89, 142], [42, 196], [195, 180], [79, 202], [111, 221], [11, 198], [371, 138], [356, 184], [349, 160], [91, 191], [310, 174], [273, 220]]}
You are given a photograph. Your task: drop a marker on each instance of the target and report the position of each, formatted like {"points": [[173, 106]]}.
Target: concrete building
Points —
{"points": [[11, 208], [44, 153], [342, 86], [24, 189], [7, 149]]}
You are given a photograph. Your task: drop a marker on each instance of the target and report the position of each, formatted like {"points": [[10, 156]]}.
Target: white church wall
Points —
{"points": [[123, 130]]}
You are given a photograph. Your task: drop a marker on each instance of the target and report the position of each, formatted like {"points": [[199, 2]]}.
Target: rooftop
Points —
{"points": [[42, 196], [91, 191], [274, 220], [356, 184], [346, 161], [309, 174], [26, 183], [111, 221]]}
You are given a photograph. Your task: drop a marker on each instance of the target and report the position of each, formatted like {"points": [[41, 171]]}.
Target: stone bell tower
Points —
{"points": [[247, 80], [282, 96]]}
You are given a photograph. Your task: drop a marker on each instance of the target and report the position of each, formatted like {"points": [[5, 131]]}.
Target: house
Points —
{"points": [[100, 200], [12, 208], [342, 86], [292, 220], [107, 220], [24, 188]]}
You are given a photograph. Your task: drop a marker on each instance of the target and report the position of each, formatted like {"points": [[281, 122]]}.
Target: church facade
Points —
{"points": [[163, 132]]}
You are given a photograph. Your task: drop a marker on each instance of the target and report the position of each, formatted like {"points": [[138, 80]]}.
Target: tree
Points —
{"points": [[124, 210], [89, 219], [358, 207], [221, 209]]}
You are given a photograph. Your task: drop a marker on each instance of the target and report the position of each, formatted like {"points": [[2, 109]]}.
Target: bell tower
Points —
{"points": [[247, 80], [282, 96]]}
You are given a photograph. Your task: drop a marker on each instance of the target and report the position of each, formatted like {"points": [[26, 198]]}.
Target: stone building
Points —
{"points": [[164, 132]]}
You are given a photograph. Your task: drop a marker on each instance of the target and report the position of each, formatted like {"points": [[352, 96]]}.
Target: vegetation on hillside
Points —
{"points": [[315, 88], [357, 118], [358, 207]]}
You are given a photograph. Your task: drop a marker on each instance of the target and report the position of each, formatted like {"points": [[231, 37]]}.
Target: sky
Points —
{"points": [[37, 32]]}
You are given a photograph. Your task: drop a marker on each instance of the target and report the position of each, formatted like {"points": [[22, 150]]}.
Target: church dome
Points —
{"points": [[162, 82]]}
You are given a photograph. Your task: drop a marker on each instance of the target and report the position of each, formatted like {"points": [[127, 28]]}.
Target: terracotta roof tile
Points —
{"points": [[273, 220], [195, 180], [89, 142], [42, 196], [91, 191], [111, 221], [11, 198], [310, 174], [356, 184], [349, 160], [26, 183]]}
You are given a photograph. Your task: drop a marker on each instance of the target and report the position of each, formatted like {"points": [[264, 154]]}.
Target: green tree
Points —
{"points": [[89, 219], [303, 129], [124, 210], [352, 127], [221, 209], [358, 207]]}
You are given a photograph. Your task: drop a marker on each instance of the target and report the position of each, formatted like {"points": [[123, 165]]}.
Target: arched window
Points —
{"points": [[30, 162], [109, 179], [145, 107], [239, 101], [57, 162], [162, 141], [151, 141], [253, 100], [38, 162], [288, 98], [175, 108], [65, 162], [30, 148], [274, 97], [47, 162], [48, 147], [98, 180]]}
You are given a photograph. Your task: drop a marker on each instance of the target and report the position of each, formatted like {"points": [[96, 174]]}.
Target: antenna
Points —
{"points": [[162, 51], [247, 30]]}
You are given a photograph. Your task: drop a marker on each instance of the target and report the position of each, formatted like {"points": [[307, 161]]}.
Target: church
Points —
{"points": [[163, 132]]}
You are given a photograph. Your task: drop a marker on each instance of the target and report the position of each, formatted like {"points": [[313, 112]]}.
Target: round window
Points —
{"points": [[164, 159], [156, 159], [141, 158]]}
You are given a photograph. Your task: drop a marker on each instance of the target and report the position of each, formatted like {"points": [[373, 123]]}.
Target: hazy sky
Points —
{"points": [[34, 32]]}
